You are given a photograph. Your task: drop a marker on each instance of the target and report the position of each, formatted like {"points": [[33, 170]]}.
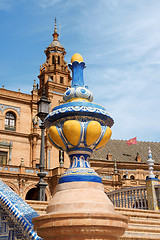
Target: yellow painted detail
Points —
{"points": [[93, 132], [105, 138], [54, 135], [72, 131], [76, 57]]}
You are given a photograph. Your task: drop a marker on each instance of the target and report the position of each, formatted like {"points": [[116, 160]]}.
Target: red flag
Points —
{"points": [[132, 141]]}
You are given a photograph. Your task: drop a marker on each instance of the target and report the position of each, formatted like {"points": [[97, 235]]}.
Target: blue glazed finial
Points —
{"points": [[78, 90], [77, 73]]}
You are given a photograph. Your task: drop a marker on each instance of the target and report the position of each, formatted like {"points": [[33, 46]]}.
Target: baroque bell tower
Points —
{"points": [[54, 73], [54, 78]]}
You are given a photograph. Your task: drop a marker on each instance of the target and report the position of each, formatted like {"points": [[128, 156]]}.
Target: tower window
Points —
{"points": [[53, 60], [50, 78], [59, 60], [132, 177], [10, 121], [61, 79], [3, 157]]}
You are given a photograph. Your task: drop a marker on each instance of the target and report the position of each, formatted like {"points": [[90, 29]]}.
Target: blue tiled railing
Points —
{"points": [[15, 216]]}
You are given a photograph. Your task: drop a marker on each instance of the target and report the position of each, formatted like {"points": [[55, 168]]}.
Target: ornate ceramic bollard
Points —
{"points": [[79, 126], [79, 209]]}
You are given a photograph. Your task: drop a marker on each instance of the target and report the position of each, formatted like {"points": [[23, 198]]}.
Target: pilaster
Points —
{"points": [[151, 193]]}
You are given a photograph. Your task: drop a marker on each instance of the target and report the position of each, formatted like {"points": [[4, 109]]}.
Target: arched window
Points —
{"points": [[53, 59], [59, 60], [32, 194], [10, 121], [132, 177]]}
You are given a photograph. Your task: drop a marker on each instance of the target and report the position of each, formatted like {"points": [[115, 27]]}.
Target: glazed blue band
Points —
{"points": [[79, 178], [78, 104]]}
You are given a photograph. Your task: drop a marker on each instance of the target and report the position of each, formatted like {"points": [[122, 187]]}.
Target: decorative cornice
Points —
{"points": [[15, 96], [4, 143], [7, 132]]}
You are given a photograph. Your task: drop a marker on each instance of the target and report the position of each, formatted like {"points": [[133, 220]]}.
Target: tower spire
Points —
{"points": [[55, 34], [55, 26]]}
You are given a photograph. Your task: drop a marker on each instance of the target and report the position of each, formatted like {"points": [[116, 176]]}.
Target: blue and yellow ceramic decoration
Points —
{"points": [[72, 131], [76, 58], [79, 126], [93, 132]]}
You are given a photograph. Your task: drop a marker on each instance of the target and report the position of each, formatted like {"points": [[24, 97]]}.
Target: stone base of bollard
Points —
{"points": [[80, 211]]}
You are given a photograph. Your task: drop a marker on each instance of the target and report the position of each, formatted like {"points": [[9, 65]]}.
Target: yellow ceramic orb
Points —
{"points": [[72, 131], [105, 138], [93, 132], [54, 135], [76, 57]]}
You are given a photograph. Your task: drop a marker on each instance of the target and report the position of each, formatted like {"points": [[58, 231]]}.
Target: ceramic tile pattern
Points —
{"points": [[15, 216]]}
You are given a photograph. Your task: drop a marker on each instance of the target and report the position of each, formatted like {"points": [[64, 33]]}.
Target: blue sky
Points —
{"points": [[120, 44]]}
